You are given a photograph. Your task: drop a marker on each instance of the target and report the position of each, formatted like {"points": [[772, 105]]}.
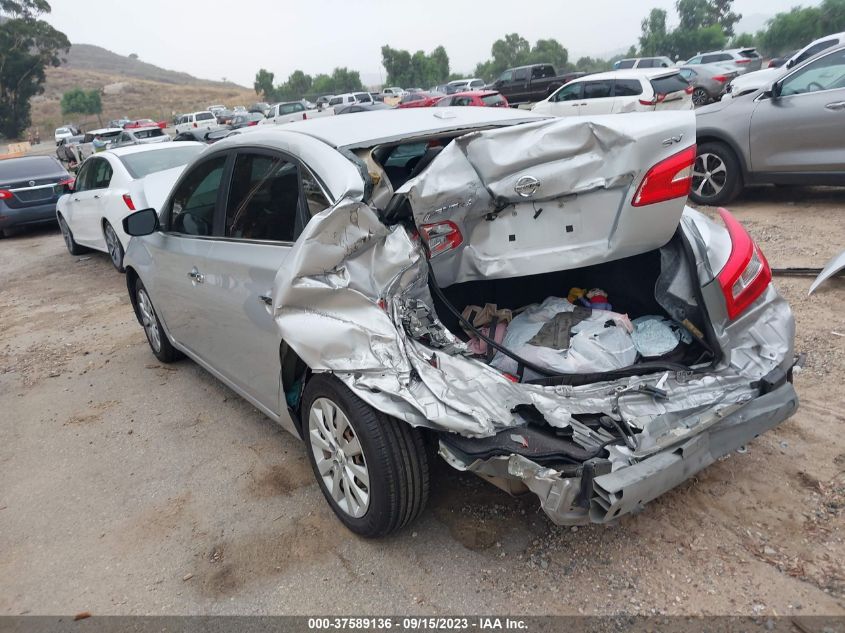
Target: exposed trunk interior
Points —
{"points": [[629, 284]]}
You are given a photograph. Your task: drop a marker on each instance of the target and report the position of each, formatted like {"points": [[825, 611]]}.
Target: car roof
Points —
{"points": [[137, 149], [381, 126], [132, 130], [104, 130], [629, 73]]}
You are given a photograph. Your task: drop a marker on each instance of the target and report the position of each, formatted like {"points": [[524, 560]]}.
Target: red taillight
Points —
{"points": [[195, 124], [5, 194], [689, 89], [304, 116], [251, 123], [651, 102], [128, 200], [720, 78], [668, 179], [746, 274], [441, 237], [743, 61], [70, 183], [772, 64]]}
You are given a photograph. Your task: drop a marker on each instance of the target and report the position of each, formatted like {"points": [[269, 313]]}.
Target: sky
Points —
{"points": [[212, 39]]}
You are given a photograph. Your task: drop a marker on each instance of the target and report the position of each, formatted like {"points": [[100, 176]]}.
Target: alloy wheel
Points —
{"points": [[113, 244], [65, 233], [709, 175], [148, 320], [339, 457], [700, 97]]}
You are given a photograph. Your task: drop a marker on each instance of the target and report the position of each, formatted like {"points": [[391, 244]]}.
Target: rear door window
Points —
{"points": [[669, 84], [597, 89], [520, 74], [627, 88], [625, 63], [813, 50], [263, 199], [192, 205], [205, 116], [101, 173]]}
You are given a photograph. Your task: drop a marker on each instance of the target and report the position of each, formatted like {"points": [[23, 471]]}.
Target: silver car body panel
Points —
{"points": [[833, 267], [580, 213], [348, 295]]}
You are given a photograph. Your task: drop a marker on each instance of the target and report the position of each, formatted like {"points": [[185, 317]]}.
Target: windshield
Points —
{"points": [[142, 164], [62, 130]]}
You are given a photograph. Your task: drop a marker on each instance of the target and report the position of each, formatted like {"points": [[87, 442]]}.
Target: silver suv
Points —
{"points": [[744, 60], [333, 273], [791, 133]]}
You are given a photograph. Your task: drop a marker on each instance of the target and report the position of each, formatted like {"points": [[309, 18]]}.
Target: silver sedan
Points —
{"points": [[393, 285]]}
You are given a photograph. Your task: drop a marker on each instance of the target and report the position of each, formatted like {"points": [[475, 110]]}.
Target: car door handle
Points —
{"points": [[266, 299], [196, 276], [837, 105], [76, 199], [96, 196]]}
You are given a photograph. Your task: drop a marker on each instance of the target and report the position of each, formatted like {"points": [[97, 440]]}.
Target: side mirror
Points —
{"points": [[777, 87], [790, 63], [143, 222]]}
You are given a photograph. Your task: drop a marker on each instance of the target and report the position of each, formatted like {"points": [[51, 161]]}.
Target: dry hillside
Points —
{"points": [[130, 88]]}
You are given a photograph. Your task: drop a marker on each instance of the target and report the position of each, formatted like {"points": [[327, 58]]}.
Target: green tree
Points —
{"points": [[833, 16], [28, 45], [515, 50], [549, 52], [417, 70], [683, 44], [297, 86], [653, 37], [743, 40], [264, 85], [700, 14], [77, 101], [792, 29], [345, 80]]}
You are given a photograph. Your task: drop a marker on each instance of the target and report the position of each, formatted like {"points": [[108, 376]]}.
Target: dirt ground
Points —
{"points": [[128, 487]]}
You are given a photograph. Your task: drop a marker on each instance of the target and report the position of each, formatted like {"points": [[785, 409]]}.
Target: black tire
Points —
{"points": [[156, 337], [72, 247], [395, 460], [700, 97], [115, 248], [709, 187]]}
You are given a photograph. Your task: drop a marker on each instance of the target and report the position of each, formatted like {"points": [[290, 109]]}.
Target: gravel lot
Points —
{"points": [[128, 487]]}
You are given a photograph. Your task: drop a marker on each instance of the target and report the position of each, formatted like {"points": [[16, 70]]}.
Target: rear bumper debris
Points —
{"points": [[597, 496]]}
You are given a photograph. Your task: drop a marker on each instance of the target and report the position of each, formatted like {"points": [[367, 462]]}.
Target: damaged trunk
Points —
{"points": [[584, 325]]}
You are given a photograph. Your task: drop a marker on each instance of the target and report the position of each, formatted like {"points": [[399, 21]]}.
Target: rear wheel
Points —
{"points": [[700, 97], [372, 469], [114, 246], [716, 176], [72, 247], [161, 347]]}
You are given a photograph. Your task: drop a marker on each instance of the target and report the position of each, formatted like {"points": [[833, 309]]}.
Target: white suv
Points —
{"points": [[751, 82], [619, 91], [643, 62], [196, 120]]}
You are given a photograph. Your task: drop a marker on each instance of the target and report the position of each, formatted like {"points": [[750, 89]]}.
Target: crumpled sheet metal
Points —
{"points": [[326, 292], [585, 169]]}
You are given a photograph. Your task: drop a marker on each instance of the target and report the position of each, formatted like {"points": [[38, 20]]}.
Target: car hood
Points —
{"points": [[756, 80]]}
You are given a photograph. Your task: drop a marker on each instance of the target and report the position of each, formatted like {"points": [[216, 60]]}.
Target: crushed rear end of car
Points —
{"points": [[540, 299]]}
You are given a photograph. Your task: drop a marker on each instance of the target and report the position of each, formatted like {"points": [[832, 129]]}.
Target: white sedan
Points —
{"points": [[113, 183]]}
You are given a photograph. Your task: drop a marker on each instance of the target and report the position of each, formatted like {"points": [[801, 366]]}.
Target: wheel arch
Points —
{"points": [[708, 136], [294, 374], [132, 278]]}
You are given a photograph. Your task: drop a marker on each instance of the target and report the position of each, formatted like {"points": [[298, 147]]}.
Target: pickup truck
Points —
{"points": [[527, 84]]}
